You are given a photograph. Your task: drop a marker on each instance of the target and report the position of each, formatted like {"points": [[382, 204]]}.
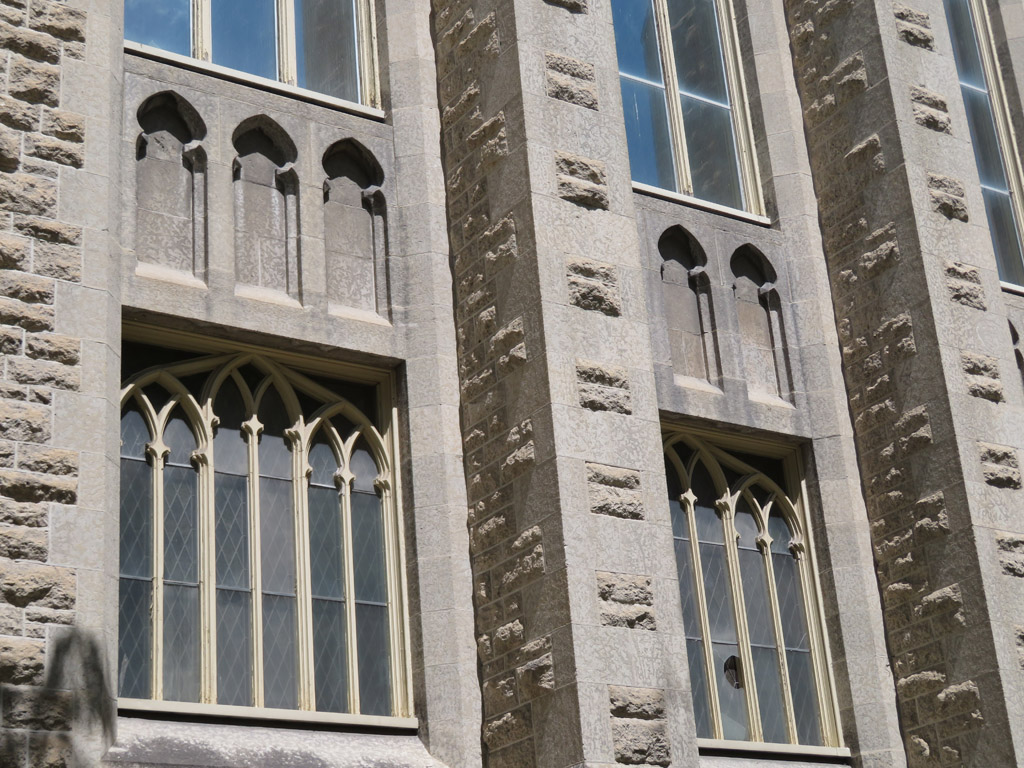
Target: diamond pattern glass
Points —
{"points": [[374, 659], [745, 524], [325, 543], [134, 432], [791, 602], [330, 659], [778, 530], [275, 457], [368, 549], [684, 568], [179, 439], [234, 647], [322, 462], [769, 695], [277, 534], [699, 688], [136, 519], [230, 452], [363, 467], [717, 591], [279, 653], [181, 643], [134, 645], [756, 599], [730, 690], [232, 530], [181, 544], [805, 696]]}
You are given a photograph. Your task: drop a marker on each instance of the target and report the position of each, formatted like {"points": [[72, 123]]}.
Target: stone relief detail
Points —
{"points": [[930, 109], [603, 387], [570, 80], [999, 465], [355, 228], [614, 491], [639, 730], [581, 180], [170, 186], [626, 601], [914, 27], [688, 307], [982, 374], [761, 330], [964, 285], [947, 196], [883, 254], [1011, 553], [266, 209], [594, 286]]}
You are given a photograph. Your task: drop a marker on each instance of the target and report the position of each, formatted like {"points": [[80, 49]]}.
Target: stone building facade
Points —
{"points": [[539, 331]]}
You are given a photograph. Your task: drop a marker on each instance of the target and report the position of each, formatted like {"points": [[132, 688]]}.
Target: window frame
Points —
{"points": [[286, 55], [403, 716], [1008, 148], [750, 178], [712, 449]]}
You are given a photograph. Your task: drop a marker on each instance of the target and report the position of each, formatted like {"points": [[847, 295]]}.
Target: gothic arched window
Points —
{"points": [[259, 541], [751, 614]]}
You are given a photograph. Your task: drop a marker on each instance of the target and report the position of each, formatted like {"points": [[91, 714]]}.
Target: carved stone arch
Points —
{"points": [[266, 209], [355, 229], [170, 185], [688, 306], [761, 328]]}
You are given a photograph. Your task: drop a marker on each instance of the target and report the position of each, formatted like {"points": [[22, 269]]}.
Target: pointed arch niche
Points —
{"points": [[759, 315], [170, 186], [689, 310], [266, 210], [354, 229]]}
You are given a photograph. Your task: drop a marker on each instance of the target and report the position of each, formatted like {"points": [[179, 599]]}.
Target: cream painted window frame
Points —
{"points": [[750, 178], [1005, 133], [391, 503], [286, 54], [718, 448]]}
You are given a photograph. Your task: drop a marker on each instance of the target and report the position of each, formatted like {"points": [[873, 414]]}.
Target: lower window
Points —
{"points": [[259, 550], [751, 611]]}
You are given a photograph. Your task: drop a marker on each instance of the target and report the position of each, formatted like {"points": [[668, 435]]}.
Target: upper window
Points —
{"points": [[683, 100], [751, 613], [323, 45], [259, 545], [991, 134]]}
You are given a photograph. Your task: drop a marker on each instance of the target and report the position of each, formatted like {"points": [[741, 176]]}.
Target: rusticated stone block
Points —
{"points": [[508, 728], [28, 486], [640, 742], [55, 347], [34, 82], [642, 703], [23, 543], [594, 286], [55, 150], [581, 180], [626, 601], [570, 80], [536, 677], [17, 114], [44, 373], [37, 709], [1011, 554], [603, 388], [964, 285], [22, 193], [57, 19], [21, 661], [999, 465], [47, 586], [914, 27], [63, 125], [947, 196], [29, 43], [982, 374], [930, 110], [614, 491], [573, 6], [24, 422]]}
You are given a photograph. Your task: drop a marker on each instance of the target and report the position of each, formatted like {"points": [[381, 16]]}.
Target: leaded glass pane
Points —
{"points": [[791, 601], [244, 36], [134, 432], [374, 659], [675, 488], [181, 643], [778, 530], [163, 24], [327, 48], [805, 696], [179, 439], [277, 536], [698, 49], [330, 660], [680, 528], [364, 468], [699, 688], [648, 138], [322, 462], [731, 697], [325, 543], [755, 597], [769, 694], [746, 525], [368, 548], [181, 543], [136, 541], [718, 593], [134, 646], [232, 530], [279, 652], [275, 456], [230, 451], [234, 647], [711, 148], [684, 567]]}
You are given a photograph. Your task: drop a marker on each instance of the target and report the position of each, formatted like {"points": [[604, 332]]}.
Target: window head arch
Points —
{"points": [[754, 638], [258, 535]]}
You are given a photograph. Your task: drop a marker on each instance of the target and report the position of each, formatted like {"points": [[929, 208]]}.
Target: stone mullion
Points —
{"points": [[705, 624], [158, 452], [343, 478], [287, 68], [298, 445], [203, 459], [252, 429], [727, 511], [202, 29]]}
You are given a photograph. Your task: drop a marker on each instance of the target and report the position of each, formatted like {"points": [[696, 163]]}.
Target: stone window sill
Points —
{"points": [[284, 716], [263, 83], [696, 202], [722, 746]]}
